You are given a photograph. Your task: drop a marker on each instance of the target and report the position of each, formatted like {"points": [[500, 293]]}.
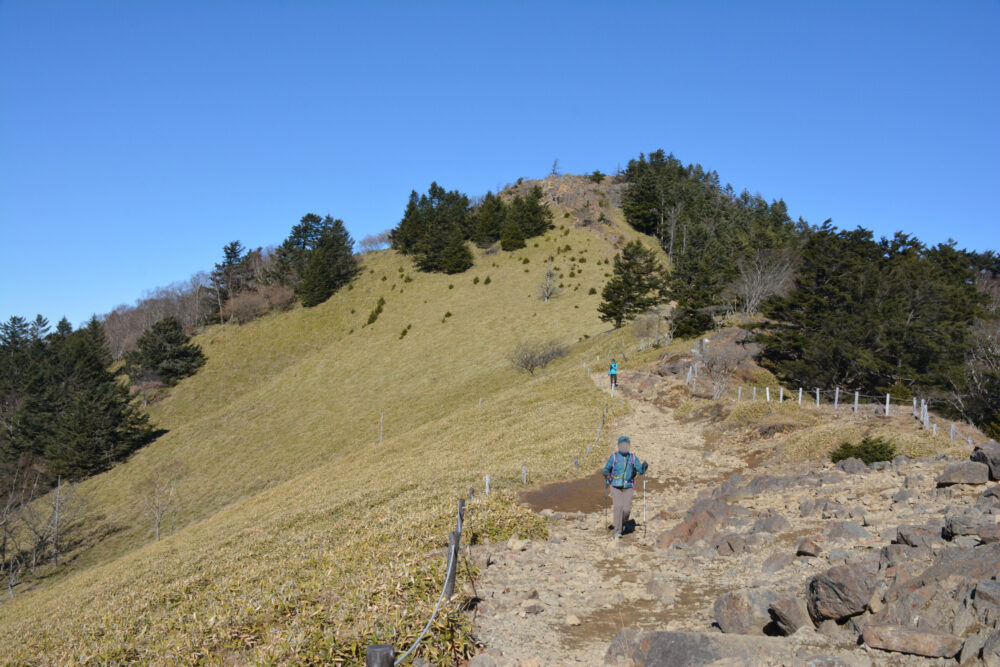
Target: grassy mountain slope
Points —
{"points": [[295, 529]]}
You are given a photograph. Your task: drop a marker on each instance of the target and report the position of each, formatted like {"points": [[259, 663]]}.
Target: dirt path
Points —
{"points": [[562, 602]]}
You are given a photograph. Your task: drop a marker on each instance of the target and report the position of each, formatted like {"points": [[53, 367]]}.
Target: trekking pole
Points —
{"points": [[605, 505], [643, 507]]}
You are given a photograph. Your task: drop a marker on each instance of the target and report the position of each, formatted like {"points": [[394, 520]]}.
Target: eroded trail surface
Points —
{"points": [[729, 546], [564, 600]]}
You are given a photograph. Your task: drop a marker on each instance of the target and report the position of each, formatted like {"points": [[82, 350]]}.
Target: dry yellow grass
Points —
{"points": [[298, 538]]}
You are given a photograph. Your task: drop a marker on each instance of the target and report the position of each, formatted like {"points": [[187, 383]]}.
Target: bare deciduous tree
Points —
{"points": [[157, 492], [547, 288], [720, 358], [653, 328], [374, 242], [529, 356], [763, 274]]}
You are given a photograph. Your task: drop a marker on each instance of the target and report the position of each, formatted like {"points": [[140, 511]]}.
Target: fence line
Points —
{"points": [[383, 655], [920, 412]]}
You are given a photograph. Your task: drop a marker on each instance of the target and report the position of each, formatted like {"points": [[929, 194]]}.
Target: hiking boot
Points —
{"points": [[618, 536]]}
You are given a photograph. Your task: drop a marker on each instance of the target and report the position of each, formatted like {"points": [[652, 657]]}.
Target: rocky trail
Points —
{"points": [[750, 561]]}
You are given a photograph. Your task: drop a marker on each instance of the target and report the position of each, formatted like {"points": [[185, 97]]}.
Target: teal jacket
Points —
{"points": [[613, 369], [621, 469]]}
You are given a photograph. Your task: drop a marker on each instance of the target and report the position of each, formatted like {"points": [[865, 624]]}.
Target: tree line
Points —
{"points": [[843, 308], [437, 226]]}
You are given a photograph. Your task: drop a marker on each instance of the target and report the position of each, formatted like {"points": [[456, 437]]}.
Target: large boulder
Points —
{"points": [[700, 522], [965, 472], [902, 639], [989, 454], [743, 612], [840, 592], [847, 531], [775, 523]]}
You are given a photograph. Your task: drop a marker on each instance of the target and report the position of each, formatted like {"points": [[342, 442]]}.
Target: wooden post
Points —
{"points": [[687, 381], [952, 439], [524, 474], [449, 583], [887, 405], [379, 655], [739, 394], [970, 441], [914, 407], [767, 394], [755, 393], [855, 401], [781, 394], [461, 514], [800, 395], [487, 485], [836, 398], [817, 397], [694, 384]]}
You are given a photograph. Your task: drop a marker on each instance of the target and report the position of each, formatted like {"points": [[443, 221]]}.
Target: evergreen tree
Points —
{"points": [[165, 353], [429, 226], [638, 283], [531, 215], [511, 237], [456, 256], [226, 278], [332, 265], [292, 257], [489, 219]]}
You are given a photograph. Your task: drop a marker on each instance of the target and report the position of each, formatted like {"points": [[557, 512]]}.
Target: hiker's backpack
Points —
{"points": [[619, 480]]}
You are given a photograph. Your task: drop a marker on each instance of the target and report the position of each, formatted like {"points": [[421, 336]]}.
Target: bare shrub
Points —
{"points": [[720, 358], [157, 492], [279, 297], [547, 288], [763, 274], [530, 355], [374, 242], [653, 328], [245, 307]]}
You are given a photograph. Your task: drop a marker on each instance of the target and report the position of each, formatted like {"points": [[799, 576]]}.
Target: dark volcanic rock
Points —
{"points": [[966, 472], [776, 562], [840, 592], [789, 614], [775, 523], [902, 639], [807, 547], [730, 544], [743, 612], [847, 530], [694, 649], [700, 522], [919, 536], [852, 466], [989, 454]]}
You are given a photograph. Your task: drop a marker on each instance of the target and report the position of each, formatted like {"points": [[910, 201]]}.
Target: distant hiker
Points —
{"points": [[619, 474], [613, 373]]}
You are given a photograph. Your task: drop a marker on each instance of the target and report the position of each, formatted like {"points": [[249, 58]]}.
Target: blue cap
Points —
{"points": [[622, 439]]}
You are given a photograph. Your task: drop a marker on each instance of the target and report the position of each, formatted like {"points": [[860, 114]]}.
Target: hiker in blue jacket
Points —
{"points": [[613, 373], [619, 474]]}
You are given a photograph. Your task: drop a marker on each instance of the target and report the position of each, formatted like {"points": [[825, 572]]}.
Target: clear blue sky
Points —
{"points": [[137, 138]]}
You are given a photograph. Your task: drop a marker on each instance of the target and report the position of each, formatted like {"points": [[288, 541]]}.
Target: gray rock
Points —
{"points": [[988, 592], [694, 649], [837, 556], [807, 547], [919, 536], [991, 650], [492, 658], [789, 614], [730, 544], [847, 530], [972, 648], [807, 507], [966, 523], [903, 495], [743, 612], [852, 466], [989, 454], [775, 523], [840, 592], [776, 562], [902, 639], [965, 472]]}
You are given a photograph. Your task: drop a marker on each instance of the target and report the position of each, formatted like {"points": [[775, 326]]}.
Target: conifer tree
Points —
{"points": [[165, 353], [456, 256], [512, 237], [331, 266], [638, 283]]}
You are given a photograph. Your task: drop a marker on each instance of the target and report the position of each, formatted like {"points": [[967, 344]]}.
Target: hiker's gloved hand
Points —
{"points": [[645, 467]]}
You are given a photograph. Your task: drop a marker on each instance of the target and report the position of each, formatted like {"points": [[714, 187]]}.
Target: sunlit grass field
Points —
{"points": [[296, 536]]}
